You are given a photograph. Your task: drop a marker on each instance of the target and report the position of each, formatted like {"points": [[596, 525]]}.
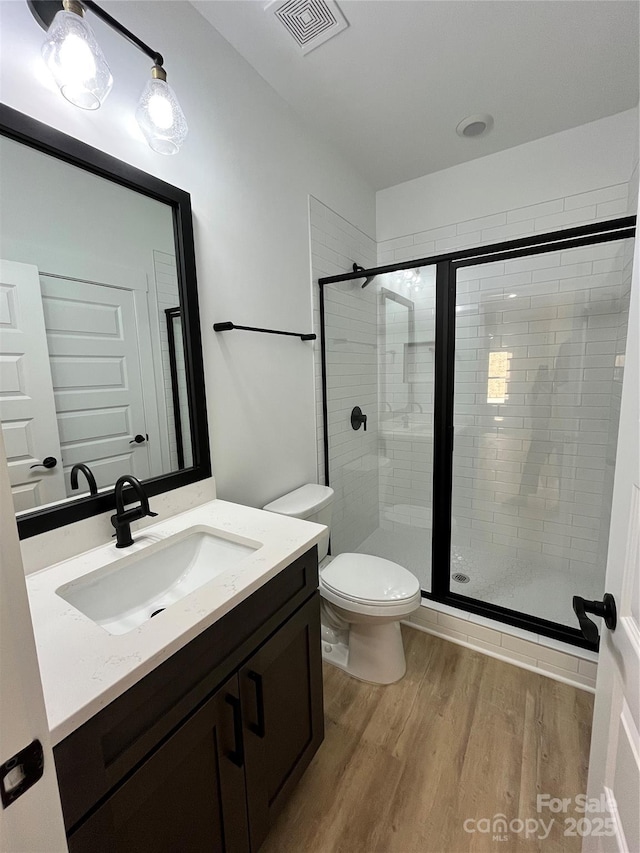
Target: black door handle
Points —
{"points": [[47, 462], [139, 439], [236, 755], [258, 728], [605, 608], [358, 419]]}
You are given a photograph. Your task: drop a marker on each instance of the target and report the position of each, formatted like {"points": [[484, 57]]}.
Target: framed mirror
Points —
{"points": [[100, 347]]}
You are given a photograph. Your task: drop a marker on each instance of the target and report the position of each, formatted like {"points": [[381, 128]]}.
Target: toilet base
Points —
{"points": [[370, 652]]}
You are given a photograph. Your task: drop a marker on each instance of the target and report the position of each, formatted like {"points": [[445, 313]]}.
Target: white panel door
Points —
{"points": [[614, 764], [92, 336], [33, 821], [27, 408]]}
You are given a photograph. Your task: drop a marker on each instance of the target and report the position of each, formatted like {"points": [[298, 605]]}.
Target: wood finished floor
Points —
{"points": [[461, 736]]}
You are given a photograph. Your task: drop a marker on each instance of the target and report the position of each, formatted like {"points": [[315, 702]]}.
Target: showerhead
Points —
{"points": [[368, 279]]}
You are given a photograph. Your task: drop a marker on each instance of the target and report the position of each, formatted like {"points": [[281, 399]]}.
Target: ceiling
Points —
{"points": [[389, 91]]}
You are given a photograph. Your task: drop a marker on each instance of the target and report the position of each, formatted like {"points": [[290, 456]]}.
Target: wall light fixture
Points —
{"points": [[74, 58]]}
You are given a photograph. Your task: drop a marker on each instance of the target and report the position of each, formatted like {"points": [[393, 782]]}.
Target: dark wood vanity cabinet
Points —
{"points": [[281, 704], [205, 769], [188, 795]]}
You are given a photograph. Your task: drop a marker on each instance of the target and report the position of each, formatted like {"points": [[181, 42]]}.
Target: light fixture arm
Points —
{"points": [[44, 12], [123, 31]]}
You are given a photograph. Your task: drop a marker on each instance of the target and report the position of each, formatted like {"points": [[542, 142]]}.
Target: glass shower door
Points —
{"points": [[379, 355], [539, 356]]}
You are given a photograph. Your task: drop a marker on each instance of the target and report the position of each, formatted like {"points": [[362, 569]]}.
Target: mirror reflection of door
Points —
{"points": [[96, 343], [72, 385], [27, 408]]}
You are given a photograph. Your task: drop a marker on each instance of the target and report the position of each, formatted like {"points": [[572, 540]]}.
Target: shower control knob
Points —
{"points": [[358, 419]]}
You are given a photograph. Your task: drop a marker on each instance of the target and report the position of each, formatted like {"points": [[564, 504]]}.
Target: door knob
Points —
{"points": [[139, 439], [358, 419], [605, 608], [47, 462]]}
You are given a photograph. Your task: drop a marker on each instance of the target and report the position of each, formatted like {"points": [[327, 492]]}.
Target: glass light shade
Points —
{"points": [[74, 58], [161, 118]]}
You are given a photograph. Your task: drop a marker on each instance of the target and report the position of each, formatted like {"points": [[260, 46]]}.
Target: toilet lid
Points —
{"points": [[303, 502], [361, 577]]}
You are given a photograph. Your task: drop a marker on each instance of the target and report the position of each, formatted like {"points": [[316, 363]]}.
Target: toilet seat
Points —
{"points": [[362, 579]]}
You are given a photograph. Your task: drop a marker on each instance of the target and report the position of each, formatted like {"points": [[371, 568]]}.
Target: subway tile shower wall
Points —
{"points": [[600, 204], [351, 336]]}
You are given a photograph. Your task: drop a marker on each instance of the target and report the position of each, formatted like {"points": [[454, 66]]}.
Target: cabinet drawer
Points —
{"points": [[96, 757]]}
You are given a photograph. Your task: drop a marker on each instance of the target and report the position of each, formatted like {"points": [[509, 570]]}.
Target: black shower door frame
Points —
{"points": [[447, 267]]}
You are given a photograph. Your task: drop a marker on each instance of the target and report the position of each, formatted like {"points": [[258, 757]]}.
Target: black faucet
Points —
{"points": [[91, 480], [123, 518]]}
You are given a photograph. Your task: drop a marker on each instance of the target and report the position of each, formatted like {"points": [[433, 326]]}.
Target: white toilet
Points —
{"points": [[363, 597]]}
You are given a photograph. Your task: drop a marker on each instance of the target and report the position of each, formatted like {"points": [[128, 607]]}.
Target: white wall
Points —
{"points": [[593, 156], [249, 165]]}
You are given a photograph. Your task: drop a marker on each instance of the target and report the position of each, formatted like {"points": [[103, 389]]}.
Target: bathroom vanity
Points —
{"points": [[198, 745]]}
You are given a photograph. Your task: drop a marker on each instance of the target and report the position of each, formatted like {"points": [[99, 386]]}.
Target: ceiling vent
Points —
{"points": [[309, 22]]}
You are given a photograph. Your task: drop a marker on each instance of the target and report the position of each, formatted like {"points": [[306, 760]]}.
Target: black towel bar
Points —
{"points": [[227, 327]]}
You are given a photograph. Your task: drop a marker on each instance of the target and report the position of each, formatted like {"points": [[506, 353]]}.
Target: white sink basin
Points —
{"points": [[121, 596]]}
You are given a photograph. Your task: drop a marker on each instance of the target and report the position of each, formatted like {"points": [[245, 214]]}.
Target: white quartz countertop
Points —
{"points": [[84, 668]]}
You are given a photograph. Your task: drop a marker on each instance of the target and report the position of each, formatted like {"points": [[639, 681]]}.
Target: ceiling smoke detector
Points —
{"points": [[309, 22], [474, 126]]}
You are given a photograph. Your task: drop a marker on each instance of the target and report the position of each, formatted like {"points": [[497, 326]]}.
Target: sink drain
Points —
{"points": [[155, 612], [460, 577]]}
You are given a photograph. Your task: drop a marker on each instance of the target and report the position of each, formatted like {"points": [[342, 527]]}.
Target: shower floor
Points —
{"points": [[527, 585]]}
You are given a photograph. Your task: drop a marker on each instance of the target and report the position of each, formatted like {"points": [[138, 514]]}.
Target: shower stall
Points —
{"points": [[491, 384]]}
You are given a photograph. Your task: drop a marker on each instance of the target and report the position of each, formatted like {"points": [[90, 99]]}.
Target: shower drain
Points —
{"points": [[460, 577]]}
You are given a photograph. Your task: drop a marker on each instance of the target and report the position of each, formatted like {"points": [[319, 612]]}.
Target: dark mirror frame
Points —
{"points": [[41, 137]]}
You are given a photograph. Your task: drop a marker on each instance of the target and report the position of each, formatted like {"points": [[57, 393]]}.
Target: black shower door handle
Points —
{"points": [[605, 609]]}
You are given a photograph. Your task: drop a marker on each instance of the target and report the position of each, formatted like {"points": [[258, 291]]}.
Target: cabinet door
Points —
{"points": [[281, 690], [189, 795]]}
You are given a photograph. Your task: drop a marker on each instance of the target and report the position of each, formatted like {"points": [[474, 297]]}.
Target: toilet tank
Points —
{"points": [[312, 503]]}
